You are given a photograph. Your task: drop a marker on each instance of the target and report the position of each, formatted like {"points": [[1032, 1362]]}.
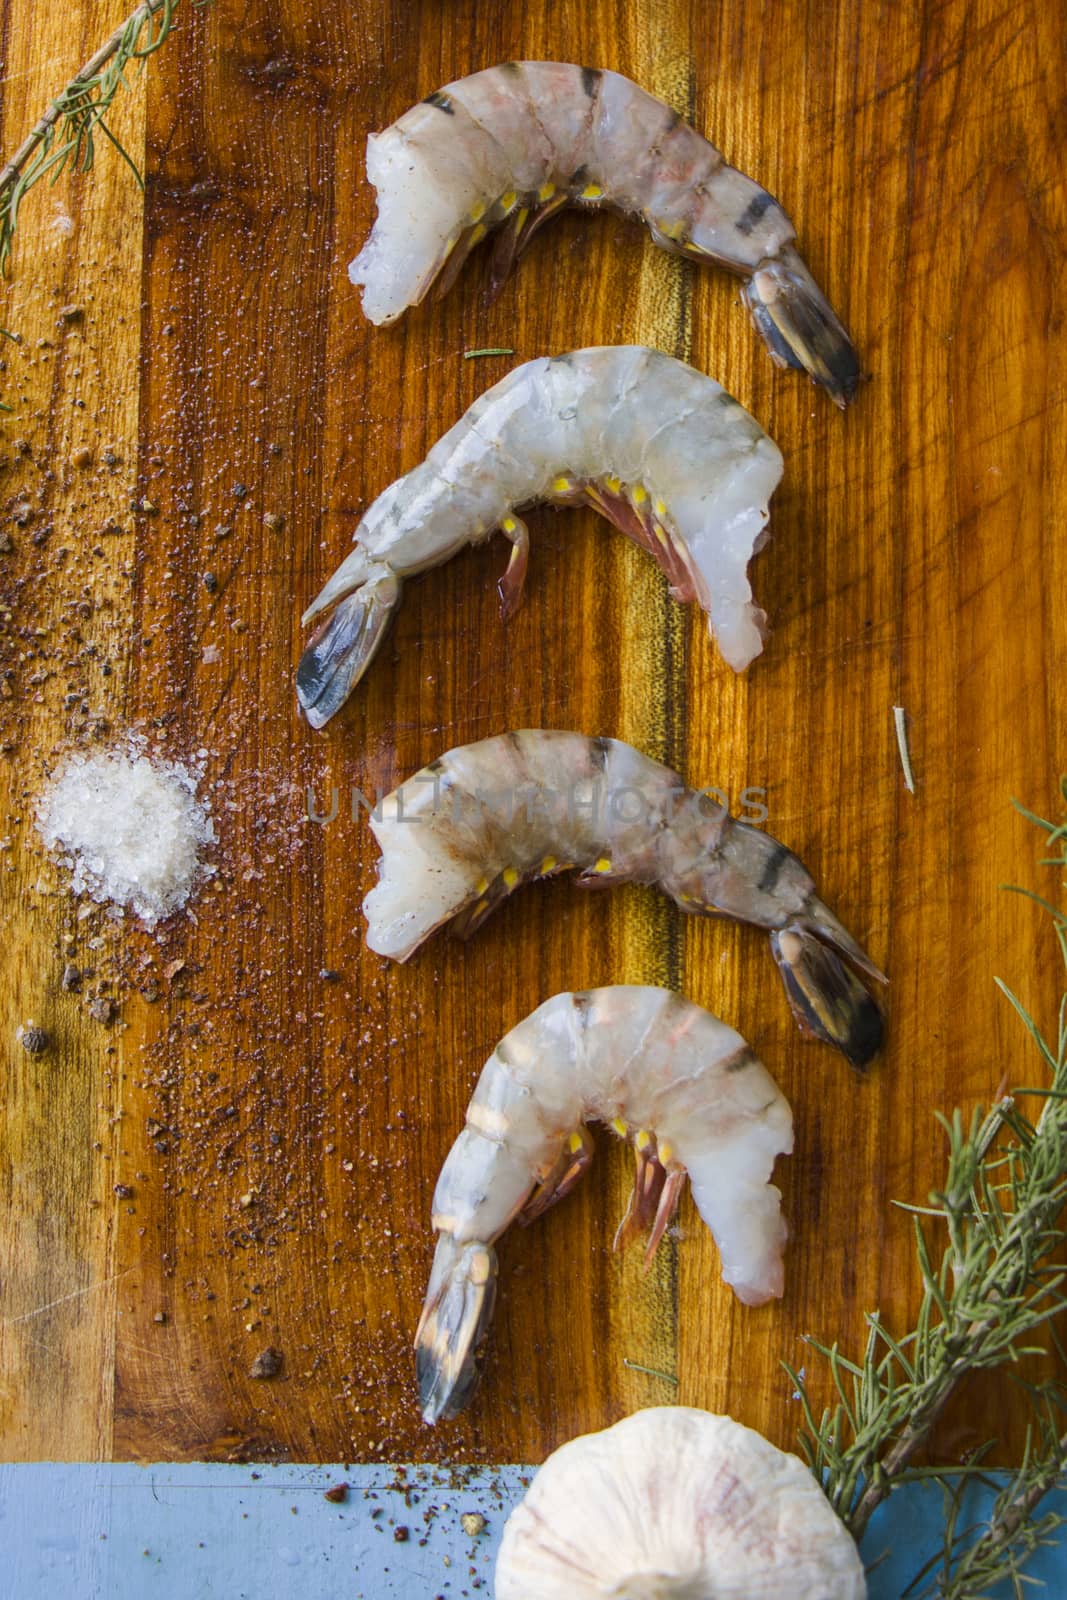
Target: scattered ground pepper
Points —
{"points": [[34, 1040], [337, 1494]]}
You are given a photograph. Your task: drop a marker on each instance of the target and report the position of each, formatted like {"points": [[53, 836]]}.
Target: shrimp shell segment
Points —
{"points": [[682, 1088], [659, 449], [507, 148]]}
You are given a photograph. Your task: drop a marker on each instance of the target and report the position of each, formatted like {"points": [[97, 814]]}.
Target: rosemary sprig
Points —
{"points": [[974, 1561], [66, 132], [984, 1246]]}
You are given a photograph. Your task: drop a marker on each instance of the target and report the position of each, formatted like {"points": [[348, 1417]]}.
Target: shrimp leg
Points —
{"points": [[571, 1164], [510, 585]]}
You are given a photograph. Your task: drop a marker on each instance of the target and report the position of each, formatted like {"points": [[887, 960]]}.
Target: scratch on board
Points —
{"points": [[75, 1294]]}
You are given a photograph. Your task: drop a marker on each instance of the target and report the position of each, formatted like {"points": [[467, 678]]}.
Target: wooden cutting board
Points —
{"points": [[280, 1130]]}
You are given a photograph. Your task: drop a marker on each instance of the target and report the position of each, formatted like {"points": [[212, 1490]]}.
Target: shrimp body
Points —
{"points": [[509, 147], [680, 1086], [661, 450], [460, 836]]}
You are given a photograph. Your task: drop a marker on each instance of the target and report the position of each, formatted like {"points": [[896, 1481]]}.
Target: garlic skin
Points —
{"points": [[676, 1504]]}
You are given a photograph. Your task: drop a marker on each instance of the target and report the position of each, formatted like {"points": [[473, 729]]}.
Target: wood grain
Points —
{"points": [[64, 649], [281, 1129]]}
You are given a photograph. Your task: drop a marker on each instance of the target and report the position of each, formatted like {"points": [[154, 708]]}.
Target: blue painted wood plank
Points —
{"points": [[220, 1532]]}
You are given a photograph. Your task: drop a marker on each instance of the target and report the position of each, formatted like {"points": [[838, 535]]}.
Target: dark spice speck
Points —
{"points": [[267, 1364]]}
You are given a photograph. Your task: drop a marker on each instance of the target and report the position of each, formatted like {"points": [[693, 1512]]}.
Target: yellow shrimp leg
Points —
{"points": [[510, 585], [506, 248], [649, 1178], [455, 256], [669, 1197], [571, 1164]]}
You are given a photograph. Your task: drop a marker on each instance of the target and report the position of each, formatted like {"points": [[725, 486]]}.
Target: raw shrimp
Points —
{"points": [[685, 1091], [460, 835], [511, 146], [659, 449]]}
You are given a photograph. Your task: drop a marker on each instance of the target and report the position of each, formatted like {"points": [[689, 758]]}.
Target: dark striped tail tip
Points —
{"points": [[343, 647], [829, 1002], [799, 327]]}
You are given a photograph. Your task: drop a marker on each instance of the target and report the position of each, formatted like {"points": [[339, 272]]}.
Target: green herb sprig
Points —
{"points": [[973, 1560], [66, 133], [985, 1246]]}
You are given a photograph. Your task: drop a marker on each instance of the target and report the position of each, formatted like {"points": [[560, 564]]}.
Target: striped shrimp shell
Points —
{"points": [[508, 147], [461, 835]]}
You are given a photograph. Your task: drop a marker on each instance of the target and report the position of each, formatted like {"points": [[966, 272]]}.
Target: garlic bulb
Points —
{"points": [[676, 1504]]}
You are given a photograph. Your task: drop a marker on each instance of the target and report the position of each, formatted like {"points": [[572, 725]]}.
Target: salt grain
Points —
{"points": [[130, 830]]}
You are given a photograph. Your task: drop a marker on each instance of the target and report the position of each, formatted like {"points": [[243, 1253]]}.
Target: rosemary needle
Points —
{"points": [[665, 1377], [900, 722]]}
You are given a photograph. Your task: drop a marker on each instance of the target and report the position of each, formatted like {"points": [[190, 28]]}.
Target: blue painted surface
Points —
{"points": [[208, 1532]]}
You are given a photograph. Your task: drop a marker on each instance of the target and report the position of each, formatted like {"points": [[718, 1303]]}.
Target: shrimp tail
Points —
{"points": [[342, 648], [828, 1001], [820, 920], [799, 327], [455, 1320]]}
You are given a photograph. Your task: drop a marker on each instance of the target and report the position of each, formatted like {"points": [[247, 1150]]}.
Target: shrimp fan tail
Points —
{"points": [[342, 648], [799, 326], [455, 1319], [820, 920], [828, 1001], [356, 569]]}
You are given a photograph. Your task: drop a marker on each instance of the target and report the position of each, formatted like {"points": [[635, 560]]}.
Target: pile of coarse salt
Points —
{"points": [[130, 830]]}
